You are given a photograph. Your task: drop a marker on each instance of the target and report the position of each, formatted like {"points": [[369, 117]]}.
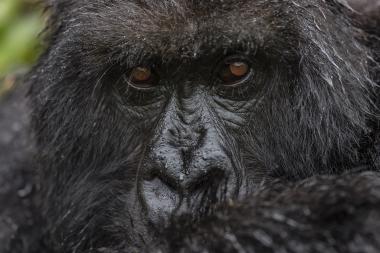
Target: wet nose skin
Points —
{"points": [[174, 184], [186, 160], [185, 168]]}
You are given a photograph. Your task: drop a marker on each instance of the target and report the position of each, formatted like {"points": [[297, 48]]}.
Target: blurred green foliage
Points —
{"points": [[21, 21]]}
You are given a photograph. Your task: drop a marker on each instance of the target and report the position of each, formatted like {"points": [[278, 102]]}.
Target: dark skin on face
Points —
{"points": [[188, 160], [151, 110]]}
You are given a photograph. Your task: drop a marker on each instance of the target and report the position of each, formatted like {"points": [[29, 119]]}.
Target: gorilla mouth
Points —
{"points": [[164, 198]]}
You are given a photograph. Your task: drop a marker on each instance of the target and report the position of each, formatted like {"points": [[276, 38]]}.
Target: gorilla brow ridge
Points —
{"points": [[168, 31]]}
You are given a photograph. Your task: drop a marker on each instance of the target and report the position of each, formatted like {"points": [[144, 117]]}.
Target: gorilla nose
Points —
{"points": [[172, 185], [188, 182], [188, 174], [188, 164], [180, 180]]}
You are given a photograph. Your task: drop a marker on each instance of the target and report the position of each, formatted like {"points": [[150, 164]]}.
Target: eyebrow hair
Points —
{"points": [[134, 35], [136, 54]]}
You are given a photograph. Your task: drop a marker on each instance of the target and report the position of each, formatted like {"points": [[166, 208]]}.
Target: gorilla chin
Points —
{"points": [[205, 126]]}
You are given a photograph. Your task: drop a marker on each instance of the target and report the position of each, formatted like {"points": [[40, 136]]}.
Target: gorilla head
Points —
{"points": [[146, 110]]}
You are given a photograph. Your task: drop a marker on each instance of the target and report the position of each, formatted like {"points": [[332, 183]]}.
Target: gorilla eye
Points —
{"points": [[142, 78], [234, 71]]}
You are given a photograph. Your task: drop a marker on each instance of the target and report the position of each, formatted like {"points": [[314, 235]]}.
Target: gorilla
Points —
{"points": [[196, 126]]}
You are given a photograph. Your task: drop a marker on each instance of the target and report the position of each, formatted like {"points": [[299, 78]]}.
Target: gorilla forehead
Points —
{"points": [[179, 28]]}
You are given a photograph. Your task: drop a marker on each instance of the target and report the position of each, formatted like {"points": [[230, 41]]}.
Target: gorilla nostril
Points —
{"points": [[211, 178], [166, 179], [159, 199], [149, 176], [195, 181]]}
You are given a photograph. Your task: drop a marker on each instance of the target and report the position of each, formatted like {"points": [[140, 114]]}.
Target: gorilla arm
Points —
{"points": [[320, 214]]}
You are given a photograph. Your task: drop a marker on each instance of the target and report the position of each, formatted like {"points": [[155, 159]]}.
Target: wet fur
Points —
{"points": [[84, 145]]}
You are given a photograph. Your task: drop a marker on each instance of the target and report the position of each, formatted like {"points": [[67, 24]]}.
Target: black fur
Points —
{"points": [[305, 217], [316, 115]]}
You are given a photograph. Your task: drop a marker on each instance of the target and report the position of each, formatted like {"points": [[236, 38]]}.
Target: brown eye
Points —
{"points": [[234, 72], [142, 78], [239, 69]]}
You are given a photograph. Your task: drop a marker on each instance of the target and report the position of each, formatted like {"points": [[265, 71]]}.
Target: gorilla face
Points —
{"points": [[145, 110]]}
